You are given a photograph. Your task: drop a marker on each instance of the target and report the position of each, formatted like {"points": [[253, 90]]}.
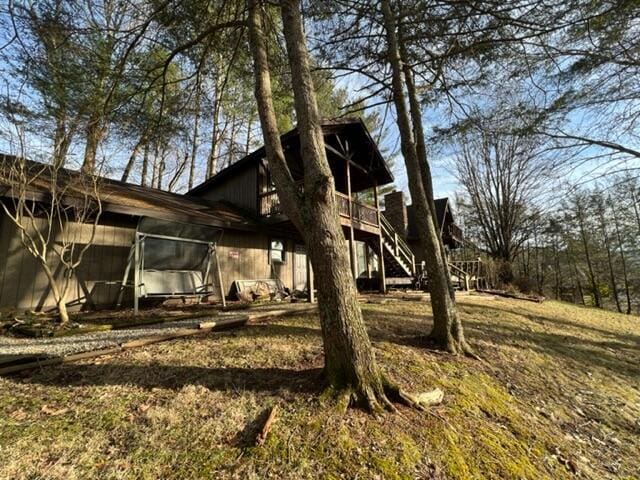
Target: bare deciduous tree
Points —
{"points": [[50, 208], [501, 172]]}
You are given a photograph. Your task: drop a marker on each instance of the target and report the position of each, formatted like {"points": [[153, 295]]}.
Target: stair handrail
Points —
{"points": [[399, 244], [459, 271]]}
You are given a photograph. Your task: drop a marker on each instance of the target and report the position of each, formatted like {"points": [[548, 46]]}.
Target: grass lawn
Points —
{"points": [[557, 396]]}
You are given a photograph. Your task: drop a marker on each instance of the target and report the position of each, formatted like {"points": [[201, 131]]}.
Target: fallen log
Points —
{"points": [[60, 360], [502, 293], [269, 314], [226, 322]]}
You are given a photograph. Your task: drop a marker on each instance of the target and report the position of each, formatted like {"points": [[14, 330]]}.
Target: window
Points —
{"points": [[276, 250]]}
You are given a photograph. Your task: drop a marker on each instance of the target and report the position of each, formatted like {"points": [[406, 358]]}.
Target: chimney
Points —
{"points": [[395, 211]]}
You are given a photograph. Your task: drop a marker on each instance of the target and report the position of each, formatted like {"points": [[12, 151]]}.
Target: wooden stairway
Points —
{"points": [[470, 272], [399, 261], [400, 266]]}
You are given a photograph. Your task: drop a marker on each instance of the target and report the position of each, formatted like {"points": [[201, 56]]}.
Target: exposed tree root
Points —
{"points": [[395, 393], [373, 400], [452, 345]]}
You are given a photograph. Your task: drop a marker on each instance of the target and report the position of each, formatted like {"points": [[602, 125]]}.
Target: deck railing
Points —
{"points": [[361, 212], [270, 205], [455, 232]]}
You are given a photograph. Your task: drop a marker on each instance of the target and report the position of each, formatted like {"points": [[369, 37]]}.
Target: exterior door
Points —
{"points": [[300, 268]]}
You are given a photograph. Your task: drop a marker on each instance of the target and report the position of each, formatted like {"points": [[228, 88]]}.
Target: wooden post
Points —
{"points": [[413, 264], [125, 277], [367, 259], [136, 273], [352, 252], [310, 280], [383, 280], [219, 275]]}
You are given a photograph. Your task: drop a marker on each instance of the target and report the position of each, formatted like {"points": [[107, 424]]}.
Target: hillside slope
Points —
{"points": [[557, 396]]}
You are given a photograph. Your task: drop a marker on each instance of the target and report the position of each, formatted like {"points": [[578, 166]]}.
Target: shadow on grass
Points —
{"points": [[266, 330], [174, 377], [615, 352], [619, 355], [562, 322]]}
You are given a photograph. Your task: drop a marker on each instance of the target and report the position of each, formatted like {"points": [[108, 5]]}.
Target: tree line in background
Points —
{"points": [[589, 251], [585, 251], [161, 92]]}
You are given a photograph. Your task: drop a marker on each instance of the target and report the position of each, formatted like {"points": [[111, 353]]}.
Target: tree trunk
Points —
{"points": [[180, 166], [625, 273], [607, 246], [447, 329], [132, 160], [161, 167], [574, 265], [145, 165], [232, 140], [212, 163], [95, 133], [536, 245], [592, 276], [61, 143], [525, 262], [636, 210], [350, 363], [557, 270], [58, 296], [154, 167], [505, 269], [247, 146], [194, 149]]}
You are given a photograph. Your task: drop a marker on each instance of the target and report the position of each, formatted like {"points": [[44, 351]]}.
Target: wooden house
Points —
{"points": [[227, 230]]}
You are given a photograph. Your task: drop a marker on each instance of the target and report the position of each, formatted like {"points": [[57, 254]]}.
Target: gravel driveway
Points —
{"points": [[85, 342], [12, 348]]}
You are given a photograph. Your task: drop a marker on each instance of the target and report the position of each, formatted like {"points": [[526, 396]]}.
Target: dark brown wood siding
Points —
{"points": [[23, 284], [241, 189], [245, 256]]}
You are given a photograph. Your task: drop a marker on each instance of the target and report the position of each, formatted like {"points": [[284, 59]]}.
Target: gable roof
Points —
{"points": [[129, 199], [367, 156], [442, 209]]}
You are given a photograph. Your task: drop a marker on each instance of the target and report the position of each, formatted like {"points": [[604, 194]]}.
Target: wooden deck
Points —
{"points": [[362, 216]]}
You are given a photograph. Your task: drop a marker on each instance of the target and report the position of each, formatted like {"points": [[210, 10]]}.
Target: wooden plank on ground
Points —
{"points": [[140, 342], [269, 314], [521, 296], [264, 431], [225, 322]]}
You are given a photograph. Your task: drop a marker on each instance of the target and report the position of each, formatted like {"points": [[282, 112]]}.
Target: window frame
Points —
{"points": [[283, 251]]}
